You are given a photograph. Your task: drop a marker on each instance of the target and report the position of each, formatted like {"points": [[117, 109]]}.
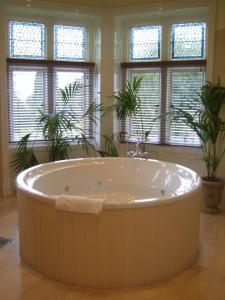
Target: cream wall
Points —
{"points": [[219, 59], [108, 33], [219, 65]]}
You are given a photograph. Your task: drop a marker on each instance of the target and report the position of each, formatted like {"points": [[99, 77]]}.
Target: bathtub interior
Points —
{"points": [[112, 179]]}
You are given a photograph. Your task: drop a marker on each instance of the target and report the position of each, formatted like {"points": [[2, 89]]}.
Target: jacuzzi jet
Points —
{"points": [[162, 192], [67, 188], [4, 241]]}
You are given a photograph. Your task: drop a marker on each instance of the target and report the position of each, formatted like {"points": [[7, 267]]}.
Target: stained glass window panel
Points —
{"points": [[26, 40], [145, 43], [188, 41], [70, 43]]}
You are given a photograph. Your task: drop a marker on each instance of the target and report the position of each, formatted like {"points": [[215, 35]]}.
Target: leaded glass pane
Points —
{"points": [[26, 40], [70, 43], [188, 41], [145, 43]]}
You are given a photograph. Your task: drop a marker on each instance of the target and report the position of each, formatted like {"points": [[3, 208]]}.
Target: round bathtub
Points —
{"points": [[147, 229]]}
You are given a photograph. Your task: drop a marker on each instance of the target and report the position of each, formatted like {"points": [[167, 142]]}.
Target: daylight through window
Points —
{"points": [[34, 83], [166, 85]]}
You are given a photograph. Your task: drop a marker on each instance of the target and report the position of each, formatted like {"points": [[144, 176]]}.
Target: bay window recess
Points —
{"points": [[166, 85], [34, 83]]}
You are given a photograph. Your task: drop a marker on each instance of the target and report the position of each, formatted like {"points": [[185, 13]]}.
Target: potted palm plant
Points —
{"points": [[208, 124], [58, 130]]}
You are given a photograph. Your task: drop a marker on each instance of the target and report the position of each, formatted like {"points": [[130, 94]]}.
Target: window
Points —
{"points": [[34, 84], [188, 41], [33, 88], [70, 43], [168, 84], [28, 95], [150, 96], [184, 82], [145, 43], [26, 40], [83, 75]]}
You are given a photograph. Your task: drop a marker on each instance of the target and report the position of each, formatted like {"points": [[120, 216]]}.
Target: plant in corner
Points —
{"points": [[208, 124]]}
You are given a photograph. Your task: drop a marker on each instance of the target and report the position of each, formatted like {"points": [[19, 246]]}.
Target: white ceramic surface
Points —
{"points": [[121, 182]]}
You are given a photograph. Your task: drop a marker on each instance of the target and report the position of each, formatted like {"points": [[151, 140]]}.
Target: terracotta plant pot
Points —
{"points": [[212, 195]]}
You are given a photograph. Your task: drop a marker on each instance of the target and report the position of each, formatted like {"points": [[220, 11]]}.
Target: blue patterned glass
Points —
{"points": [[70, 43], [188, 41], [26, 40], [145, 43]]}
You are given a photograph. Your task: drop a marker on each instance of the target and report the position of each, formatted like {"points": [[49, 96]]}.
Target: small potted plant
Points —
{"points": [[208, 124]]}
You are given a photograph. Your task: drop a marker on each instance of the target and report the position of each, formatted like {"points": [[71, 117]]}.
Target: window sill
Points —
{"points": [[174, 149]]}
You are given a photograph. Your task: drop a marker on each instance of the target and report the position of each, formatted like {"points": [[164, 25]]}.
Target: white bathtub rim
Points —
{"points": [[110, 206], [23, 188]]}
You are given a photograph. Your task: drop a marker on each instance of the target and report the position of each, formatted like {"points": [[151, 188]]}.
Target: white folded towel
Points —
{"points": [[81, 204]]}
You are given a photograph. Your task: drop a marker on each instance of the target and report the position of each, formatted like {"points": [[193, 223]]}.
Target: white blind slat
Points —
{"points": [[37, 87], [161, 89]]}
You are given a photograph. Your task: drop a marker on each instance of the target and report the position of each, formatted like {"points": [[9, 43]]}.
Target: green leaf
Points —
{"points": [[58, 149], [96, 112], [23, 158], [110, 147], [69, 91], [127, 102], [207, 124]]}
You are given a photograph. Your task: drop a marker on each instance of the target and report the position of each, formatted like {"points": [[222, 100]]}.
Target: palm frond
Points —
{"points": [[86, 144], [96, 112], [58, 149], [24, 157], [110, 148], [69, 91], [206, 122], [55, 124], [127, 102]]}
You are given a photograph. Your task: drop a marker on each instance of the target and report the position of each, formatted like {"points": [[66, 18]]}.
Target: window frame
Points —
{"points": [[128, 71], [49, 22], [49, 49], [166, 25], [83, 59], [51, 68], [203, 49], [165, 100], [158, 58], [10, 43]]}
